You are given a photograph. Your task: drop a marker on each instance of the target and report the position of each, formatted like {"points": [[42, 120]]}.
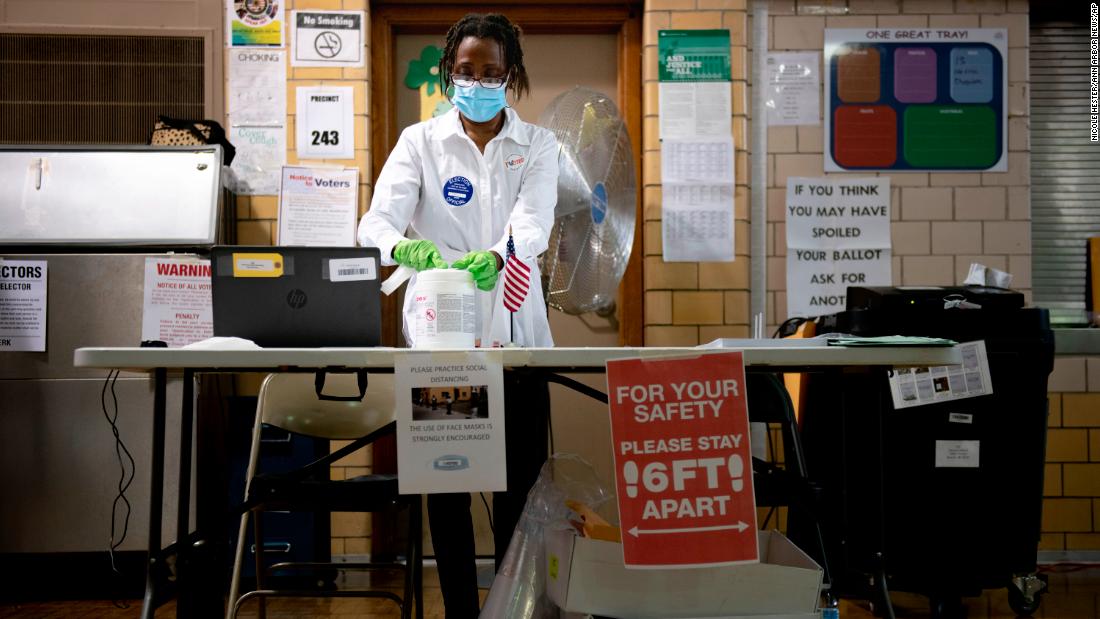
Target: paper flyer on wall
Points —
{"points": [[23, 292], [838, 235], [793, 88], [177, 307], [690, 109], [261, 153], [325, 122], [255, 23], [697, 199], [930, 385], [450, 422], [257, 87], [318, 206]]}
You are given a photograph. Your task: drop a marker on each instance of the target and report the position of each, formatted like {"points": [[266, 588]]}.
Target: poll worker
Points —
{"points": [[448, 195]]}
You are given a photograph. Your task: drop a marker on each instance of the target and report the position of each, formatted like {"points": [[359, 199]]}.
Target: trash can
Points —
{"points": [[891, 508]]}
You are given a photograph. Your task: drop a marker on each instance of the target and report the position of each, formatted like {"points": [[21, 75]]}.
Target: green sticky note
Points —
{"points": [[950, 136]]}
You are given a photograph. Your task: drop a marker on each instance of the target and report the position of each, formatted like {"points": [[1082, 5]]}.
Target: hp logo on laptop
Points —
{"points": [[296, 299]]}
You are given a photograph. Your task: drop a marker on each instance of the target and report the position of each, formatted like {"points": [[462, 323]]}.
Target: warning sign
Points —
{"points": [[328, 39], [683, 467]]}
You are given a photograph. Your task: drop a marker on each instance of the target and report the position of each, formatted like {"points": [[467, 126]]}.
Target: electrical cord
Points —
{"points": [[125, 478], [488, 512]]}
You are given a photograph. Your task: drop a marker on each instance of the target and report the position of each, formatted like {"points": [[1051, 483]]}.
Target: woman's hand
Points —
{"points": [[418, 254], [482, 265]]}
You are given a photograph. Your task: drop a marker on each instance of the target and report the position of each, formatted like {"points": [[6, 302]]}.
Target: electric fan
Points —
{"points": [[594, 219]]}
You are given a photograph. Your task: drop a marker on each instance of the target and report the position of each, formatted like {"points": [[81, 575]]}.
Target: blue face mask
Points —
{"points": [[478, 103]]}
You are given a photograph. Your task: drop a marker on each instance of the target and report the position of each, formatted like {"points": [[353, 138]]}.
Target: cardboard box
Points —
{"points": [[587, 576]]}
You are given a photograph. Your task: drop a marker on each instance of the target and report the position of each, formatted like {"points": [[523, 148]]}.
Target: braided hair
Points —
{"points": [[487, 26]]}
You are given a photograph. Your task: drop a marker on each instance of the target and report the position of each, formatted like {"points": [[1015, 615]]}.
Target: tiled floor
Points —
{"points": [[1072, 595]]}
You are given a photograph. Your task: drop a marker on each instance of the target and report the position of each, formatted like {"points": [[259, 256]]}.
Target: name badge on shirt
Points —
{"points": [[458, 190]]}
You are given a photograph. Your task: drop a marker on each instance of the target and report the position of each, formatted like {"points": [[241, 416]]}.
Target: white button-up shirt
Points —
{"points": [[437, 185]]}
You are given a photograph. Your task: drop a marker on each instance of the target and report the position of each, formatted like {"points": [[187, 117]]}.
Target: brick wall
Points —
{"points": [[257, 214], [687, 303], [257, 225], [940, 222], [1071, 505]]}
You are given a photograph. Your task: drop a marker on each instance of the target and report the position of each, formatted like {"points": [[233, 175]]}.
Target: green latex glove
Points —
{"points": [[482, 265], [420, 255]]}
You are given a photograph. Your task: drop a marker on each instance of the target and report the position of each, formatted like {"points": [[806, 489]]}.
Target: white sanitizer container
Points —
{"points": [[445, 305]]}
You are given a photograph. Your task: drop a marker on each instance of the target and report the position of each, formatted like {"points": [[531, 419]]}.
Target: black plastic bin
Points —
{"points": [[885, 506]]}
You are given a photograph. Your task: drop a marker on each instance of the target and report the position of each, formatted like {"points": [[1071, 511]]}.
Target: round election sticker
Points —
{"points": [[514, 162], [599, 203], [458, 190]]}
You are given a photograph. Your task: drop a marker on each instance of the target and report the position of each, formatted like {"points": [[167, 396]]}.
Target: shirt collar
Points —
{"points": [[450, 125]]}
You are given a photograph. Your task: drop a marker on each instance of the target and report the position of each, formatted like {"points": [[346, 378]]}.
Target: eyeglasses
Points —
{"points": [[466, 81]]}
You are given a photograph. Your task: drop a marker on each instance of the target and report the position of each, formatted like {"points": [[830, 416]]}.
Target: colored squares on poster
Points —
{"points": [[915, 74], [857, 77], [971, 75], [950, 136], [865, 136]]}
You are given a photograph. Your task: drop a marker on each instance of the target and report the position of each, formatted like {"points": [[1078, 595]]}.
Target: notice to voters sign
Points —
{"points": [[683, 467]]}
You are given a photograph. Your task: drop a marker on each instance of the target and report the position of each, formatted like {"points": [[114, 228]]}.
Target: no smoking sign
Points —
{"points": [[328, 39]]}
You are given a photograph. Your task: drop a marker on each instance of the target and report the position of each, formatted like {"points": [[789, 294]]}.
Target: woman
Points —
{"points": [[453, 189]]}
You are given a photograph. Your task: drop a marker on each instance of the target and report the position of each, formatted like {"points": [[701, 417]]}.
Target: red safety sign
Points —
{"points": [[683, 468]]}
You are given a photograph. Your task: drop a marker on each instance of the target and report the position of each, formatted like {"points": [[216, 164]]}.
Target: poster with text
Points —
{"points": [[255, 23], [916, 99], [177, 307], [838, 235], [793, 93], [450, 422], [23, 305], [317, 206], [683, 464], [326, 122]]}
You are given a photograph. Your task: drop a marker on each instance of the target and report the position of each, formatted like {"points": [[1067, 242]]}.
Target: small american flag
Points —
{"points": [[517, 277]]}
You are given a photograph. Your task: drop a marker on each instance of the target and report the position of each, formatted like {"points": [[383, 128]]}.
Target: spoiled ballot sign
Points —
{"points": [[838, 235], [683, 468]]}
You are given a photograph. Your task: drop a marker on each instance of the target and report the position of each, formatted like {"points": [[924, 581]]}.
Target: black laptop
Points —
{"points": [[297, 297]]}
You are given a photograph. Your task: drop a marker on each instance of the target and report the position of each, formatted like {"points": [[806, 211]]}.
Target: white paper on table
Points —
{"points": [[793, 92], [261, 153], [694, 109], [177, 308], [459, 451], [920, 386], [23, 293], [325, 122], [697, 222], [317, 206], [257, 87]]}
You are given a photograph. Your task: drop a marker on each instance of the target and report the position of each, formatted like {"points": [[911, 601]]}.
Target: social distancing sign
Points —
{"points": [[683, 466]]}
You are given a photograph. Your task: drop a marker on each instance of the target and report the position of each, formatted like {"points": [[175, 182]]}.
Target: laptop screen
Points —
{"points": [[297, 297]]}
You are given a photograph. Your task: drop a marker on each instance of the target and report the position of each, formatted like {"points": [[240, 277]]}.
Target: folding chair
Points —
{"points": [[300, 403]]}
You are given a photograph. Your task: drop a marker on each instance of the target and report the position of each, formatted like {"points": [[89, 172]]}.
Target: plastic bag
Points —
{"points": [[519, 589]]}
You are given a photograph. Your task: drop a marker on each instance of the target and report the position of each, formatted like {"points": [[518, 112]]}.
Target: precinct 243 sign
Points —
{"points": [[683, 467]]}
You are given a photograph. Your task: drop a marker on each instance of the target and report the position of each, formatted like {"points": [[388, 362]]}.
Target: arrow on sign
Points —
{"points": [[740, 526]]}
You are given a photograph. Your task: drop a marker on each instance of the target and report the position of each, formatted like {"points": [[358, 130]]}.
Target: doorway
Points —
{"points": [[565, 44]]}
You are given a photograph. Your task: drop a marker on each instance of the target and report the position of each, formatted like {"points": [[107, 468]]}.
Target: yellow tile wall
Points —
{"points": [[258, 225], [697, 301], [1071, 507]]}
